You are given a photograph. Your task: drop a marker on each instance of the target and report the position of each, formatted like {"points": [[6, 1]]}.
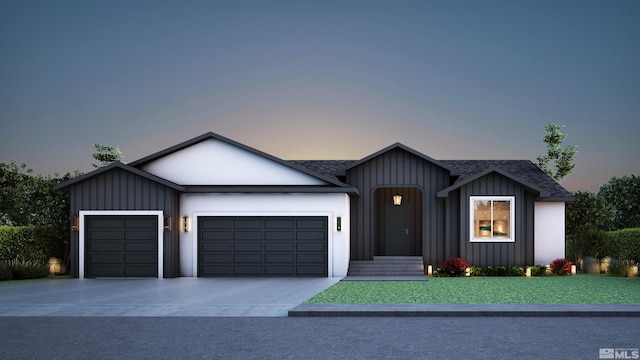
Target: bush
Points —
{"points": [[621, 267], [454, 266], [538, 270], [591, 265], [4, 272], [622, 244], [31, 242], [27, 269], [561, 266], [497, 271]]}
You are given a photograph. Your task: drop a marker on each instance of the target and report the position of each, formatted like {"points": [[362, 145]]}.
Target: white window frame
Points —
{"points": [[512, 215]]}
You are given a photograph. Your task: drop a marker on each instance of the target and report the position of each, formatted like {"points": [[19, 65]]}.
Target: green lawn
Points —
{"points": [[580, 289]]}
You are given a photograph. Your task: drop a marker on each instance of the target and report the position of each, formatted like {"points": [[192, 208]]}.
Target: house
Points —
{"points": [[211, 206]]}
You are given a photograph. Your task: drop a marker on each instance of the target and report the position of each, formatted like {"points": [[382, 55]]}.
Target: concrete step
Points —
{"points": [[388, 266]]}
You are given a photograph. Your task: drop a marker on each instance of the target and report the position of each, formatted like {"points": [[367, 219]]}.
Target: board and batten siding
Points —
{"points": [[518, 253], [121, 190], [397, 168]]}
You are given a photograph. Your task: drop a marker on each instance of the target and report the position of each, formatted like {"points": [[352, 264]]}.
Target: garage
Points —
{"points": [[121, 246], [262, 246]]}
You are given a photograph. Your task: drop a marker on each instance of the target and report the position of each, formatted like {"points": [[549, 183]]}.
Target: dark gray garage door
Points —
{"points": [[121, 246], [262, 246]]}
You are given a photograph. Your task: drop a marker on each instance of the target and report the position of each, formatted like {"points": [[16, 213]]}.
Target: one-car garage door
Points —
{"points": [[121, 246], [262, 246]]}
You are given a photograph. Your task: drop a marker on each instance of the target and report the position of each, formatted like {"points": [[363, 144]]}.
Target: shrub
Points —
{"points": [[4, 272], [591, 265], [561, 266], [621, 267], [538, 270], [27, 269], [623, 244], [31, 242], [497, 271], [454, 266]]}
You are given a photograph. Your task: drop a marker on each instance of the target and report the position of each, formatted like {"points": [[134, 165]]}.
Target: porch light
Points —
{"points": [[397, 200], [186, 224], [75, 223], [167, 223]]}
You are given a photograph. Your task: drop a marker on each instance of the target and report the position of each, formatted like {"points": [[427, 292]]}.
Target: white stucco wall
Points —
{"points": [[215, 162], [330, 205], [549, 243]]}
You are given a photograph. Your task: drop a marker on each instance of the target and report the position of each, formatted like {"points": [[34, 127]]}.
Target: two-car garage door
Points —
{"points": [[262, 246]]}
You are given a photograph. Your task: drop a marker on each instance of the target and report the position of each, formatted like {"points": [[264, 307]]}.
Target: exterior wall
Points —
{"points": [[397, 169], [549, 231], [330, 205], [518, 253], [118, 190], [215, 162]]}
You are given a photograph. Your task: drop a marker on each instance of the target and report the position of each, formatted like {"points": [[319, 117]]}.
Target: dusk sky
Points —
{"points": [[322, 79]]}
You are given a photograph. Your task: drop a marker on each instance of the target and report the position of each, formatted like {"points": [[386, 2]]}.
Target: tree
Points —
{"points": [[557, 162], [107, 155], [29, 199], [622, 195], [586, 218]]}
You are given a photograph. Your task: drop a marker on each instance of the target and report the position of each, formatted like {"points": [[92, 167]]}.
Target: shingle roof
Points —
{"points": [[524, 169], [467, 169], [325, 167]]}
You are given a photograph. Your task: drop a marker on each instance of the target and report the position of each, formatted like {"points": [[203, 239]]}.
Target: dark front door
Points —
{"points": [[398, 239]]}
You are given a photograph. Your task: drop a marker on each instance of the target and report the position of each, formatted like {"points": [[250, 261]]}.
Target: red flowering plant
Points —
{"points": [[453, 266], [561, 266]]}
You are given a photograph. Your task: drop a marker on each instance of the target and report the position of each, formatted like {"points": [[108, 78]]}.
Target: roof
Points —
{"points": [[144, 174], [523, 172], [210, 135], [452, 171]]}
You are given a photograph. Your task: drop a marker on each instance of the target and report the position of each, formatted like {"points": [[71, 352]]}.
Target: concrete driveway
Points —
{"points": [[159, 297]]}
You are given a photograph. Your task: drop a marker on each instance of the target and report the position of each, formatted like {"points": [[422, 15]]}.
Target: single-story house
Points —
{"points": [[211, 206]]}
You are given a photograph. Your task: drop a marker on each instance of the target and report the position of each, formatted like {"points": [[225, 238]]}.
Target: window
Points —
{"points": [[492, 218]]}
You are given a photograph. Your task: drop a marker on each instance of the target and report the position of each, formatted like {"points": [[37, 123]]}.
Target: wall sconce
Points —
{"points": [[397, 200], [167, 223], [339, 224], [186, 224], [75, 223]]}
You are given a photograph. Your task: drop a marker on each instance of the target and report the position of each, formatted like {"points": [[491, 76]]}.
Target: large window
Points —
{"points": [[492, 218]]}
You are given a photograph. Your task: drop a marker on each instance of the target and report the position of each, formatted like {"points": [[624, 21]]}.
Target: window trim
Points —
{"points": [[512, 214]]}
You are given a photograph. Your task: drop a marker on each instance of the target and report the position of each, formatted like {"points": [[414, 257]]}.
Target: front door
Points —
{"points": [[397, 236]]}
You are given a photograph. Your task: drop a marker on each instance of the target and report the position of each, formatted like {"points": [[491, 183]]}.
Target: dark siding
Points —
{"points": [[518, 253], [118, 189], [397, 169]]}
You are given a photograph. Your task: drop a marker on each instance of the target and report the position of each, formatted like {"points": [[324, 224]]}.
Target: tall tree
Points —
{"points": [[557, 162], [622, 195], [107, 155]]}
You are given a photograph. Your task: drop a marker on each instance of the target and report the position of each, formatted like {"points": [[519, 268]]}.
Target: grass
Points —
{"points": [[579, 289]]}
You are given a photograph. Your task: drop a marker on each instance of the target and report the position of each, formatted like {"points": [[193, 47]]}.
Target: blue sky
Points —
{"points": [[322, 79]]}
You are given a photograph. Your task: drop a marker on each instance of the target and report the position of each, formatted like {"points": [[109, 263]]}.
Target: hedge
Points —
{"points": [[32, 243], [622, 244]]}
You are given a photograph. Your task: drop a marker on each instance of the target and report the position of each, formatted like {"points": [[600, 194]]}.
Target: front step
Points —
{"points": [[388, 266]]}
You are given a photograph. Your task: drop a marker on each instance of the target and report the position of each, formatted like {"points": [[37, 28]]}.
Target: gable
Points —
{"points": [[216, 162], [397, 147]]}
